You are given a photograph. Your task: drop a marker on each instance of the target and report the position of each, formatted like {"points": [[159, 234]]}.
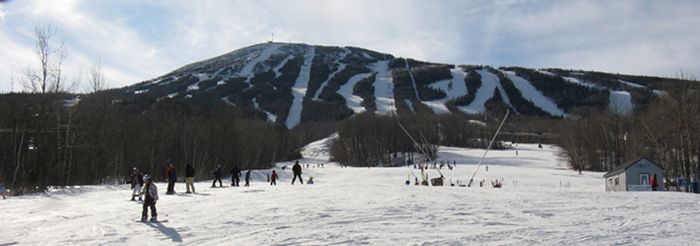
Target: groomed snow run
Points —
{"points": [[453, 88], [341, 67], [489, 82], [264, 53], [541, 203], [383, 88], [530, 93], [353, 101], [299, 89], [621, 102]]}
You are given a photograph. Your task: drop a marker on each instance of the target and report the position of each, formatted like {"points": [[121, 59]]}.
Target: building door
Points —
{"points": [[644, 179]]}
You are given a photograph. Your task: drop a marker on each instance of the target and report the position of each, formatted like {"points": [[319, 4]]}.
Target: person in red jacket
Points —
{"points": [[653, 182]]}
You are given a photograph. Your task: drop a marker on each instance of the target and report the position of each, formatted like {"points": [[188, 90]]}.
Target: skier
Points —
{"points": [[235, 176], [151, 192], [273, 178], [136, 184], [171, 175], [189, 178], [247, 178], [653, 182], [296, 169], [311, 180], [217, 176], [3, 190]]}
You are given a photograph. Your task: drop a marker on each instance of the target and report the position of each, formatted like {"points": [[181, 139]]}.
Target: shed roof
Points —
{"points": [[623, 167]]}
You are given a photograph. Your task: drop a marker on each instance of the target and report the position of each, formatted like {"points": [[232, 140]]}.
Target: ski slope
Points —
{"points": [[383, 88], [542, 203], [453, 88], [352, 101], [299, 89], [530, 93], [489, 83], [621, 102]]}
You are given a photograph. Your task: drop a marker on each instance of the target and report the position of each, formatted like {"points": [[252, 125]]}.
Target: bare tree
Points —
{"points": [[48, 77], [97, 78]]}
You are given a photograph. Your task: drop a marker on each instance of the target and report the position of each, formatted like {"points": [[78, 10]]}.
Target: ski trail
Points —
{"points": [[383, 88], [341, 67], [353, 101], [299, 89], [489, 82], [454, 88], [621, 102], [530, 93], [270, 116], [415, 87], [281, 65], [264, 54]]}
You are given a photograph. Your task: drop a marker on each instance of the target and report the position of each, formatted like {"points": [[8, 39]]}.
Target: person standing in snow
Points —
{"points": [[247, 178], [3, 190], [296, 169], [235, 176], [151, 197], [217, 176], [273, 178], [653, 182], [171, 175], [189, 178], [136, 184]]}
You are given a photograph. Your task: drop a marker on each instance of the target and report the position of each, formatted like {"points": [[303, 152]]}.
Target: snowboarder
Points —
{"points": [[171, 175], [217, 176], [235, 176], [653, 182], [247, 178], [296, 169], [273, 178], [136, 184], [151, 197], [189, 178]]}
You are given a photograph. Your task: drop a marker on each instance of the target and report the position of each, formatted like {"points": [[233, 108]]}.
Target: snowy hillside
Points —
{"points": [[292, 83], [541, 203]]}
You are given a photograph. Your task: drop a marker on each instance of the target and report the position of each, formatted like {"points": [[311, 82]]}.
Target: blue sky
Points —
{"points": [[140, 40]]}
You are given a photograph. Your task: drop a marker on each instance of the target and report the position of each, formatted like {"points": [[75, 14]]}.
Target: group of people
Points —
{"points": [[435, 165], [145, 190]]}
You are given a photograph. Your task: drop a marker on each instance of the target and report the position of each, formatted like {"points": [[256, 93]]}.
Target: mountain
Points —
{"points": [[291, 83]]}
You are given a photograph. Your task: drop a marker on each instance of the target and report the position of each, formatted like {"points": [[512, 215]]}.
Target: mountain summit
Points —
{"points": [[292, 83]]}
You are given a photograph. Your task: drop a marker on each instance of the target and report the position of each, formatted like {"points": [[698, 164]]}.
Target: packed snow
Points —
{"points": [[270, 116], [489, 83], [633, 85], [453, 88], [383, 88], [530, 93], [541, 203], [353, 101], [621, 102], [299, 89], [341, 67], [264, 53], [582, 83]]}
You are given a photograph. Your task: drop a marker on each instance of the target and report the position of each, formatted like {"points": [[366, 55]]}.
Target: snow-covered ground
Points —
{"points": [[542, 203], [489, 83], [530, 93], [453, 88], [353, 101], [383, 88], [299, 89]]}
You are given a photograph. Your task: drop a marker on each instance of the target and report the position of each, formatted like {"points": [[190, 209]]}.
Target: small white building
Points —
{"points": [[634, 175]]}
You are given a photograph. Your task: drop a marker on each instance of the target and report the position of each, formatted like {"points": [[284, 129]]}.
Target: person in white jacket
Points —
{"points": [[151, 197]]}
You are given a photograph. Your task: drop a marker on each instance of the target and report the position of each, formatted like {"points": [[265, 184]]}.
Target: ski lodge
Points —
{"points": [[634, 175]]}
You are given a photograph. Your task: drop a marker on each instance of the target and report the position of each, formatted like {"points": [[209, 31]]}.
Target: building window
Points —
{"points": [[644, 179], [617, 181]]}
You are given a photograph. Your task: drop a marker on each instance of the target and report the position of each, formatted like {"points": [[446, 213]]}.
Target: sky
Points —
{"points": [[140, 40]]}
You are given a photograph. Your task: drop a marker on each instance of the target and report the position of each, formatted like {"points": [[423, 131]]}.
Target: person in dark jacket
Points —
{"points": [[247, 178], [217, 176], [189, 178], [136, 184], [273, 178], [171, 175], [235, 176], [296, 169], [151, 197]]}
